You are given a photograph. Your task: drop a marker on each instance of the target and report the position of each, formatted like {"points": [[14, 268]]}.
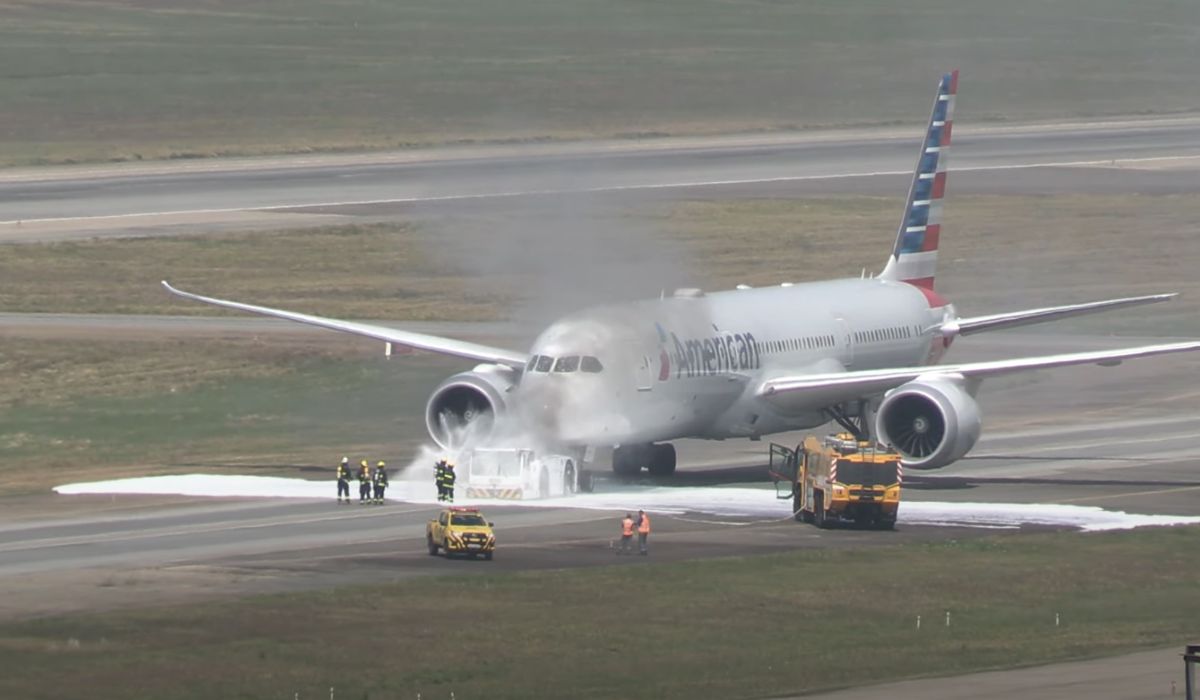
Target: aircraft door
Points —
{"points": [[645, 375], [846, 342]]}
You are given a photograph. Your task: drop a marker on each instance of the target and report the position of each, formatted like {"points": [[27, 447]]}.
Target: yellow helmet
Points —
{"points": [[363, 463], [381, 464], [345, 460]]}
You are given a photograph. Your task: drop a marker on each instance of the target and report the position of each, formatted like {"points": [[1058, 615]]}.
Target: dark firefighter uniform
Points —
{"points": [[343, 481], [439, 478], [448, 480], [380, 480], [364, 483]]}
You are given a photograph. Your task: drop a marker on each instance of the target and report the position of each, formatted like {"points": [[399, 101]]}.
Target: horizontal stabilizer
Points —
{"points": [[1012, 319], [421, 341]]}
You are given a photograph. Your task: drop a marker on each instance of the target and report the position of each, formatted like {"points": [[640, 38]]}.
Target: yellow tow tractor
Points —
{"points": [[839, 479], [460, 530]]}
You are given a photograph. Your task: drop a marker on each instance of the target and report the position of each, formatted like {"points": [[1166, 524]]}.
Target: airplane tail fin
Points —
{"points": [[914, 257]]}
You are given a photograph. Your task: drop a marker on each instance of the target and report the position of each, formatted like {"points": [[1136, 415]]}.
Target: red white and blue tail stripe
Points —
{"points": [[914, 258]]}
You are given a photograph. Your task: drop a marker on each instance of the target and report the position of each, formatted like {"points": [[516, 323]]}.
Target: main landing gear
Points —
{"points": [[628, 460], [856, 418]]}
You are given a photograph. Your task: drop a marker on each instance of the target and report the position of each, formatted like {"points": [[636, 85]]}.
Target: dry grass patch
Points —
{"points": [[115, 408]]}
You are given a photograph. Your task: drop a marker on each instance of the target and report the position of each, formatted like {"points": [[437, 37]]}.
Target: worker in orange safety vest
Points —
{"points": [[643, 528], [626, 535]]}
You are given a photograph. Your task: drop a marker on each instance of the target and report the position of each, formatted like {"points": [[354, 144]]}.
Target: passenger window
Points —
{"points": [[544, 363], [590, 364], [569, 363]]}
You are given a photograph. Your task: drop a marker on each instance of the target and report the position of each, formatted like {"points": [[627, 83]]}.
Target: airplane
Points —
{"points": [[743, 363]]}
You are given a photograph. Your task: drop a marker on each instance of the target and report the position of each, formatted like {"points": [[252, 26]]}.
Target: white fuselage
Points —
{"points": [[690, 365]]}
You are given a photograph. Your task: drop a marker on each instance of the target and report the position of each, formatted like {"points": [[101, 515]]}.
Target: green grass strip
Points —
{"points": [[738, 628]]}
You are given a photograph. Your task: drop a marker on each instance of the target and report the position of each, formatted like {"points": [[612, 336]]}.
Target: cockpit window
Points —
{"points": [[532, 363], [544, 363], [570, 363], [590, 364]]}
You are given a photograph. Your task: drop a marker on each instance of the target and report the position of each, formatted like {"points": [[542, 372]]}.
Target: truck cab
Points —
{"points": [[839, 479], [460, 530]]}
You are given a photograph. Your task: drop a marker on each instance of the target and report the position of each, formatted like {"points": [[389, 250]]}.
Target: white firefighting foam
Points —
{"points": [[728, 501]]}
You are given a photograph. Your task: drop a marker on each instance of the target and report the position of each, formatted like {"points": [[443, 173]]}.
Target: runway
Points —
{"points": [[1154, 156]]}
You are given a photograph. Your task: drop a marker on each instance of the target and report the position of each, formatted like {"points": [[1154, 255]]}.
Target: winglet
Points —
{"points": [[914, 255]]}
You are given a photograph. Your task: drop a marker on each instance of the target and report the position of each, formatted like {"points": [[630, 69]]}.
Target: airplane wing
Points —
{"points": [[1012, 319], [432, 343], [841, 386]]}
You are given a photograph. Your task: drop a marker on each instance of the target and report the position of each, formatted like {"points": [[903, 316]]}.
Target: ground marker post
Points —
{"points": [[1056, 619], [918, 622], [947, 618]]}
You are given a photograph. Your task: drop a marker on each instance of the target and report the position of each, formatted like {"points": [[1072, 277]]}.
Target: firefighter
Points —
{"points": [[626, 535], [364, 483], [449, 481], [643, 530], [343, 481], [380, 481], [439, 478]]}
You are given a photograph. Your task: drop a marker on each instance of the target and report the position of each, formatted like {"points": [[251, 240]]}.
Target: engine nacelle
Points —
{"points": [[469, 405], [930, 422]]}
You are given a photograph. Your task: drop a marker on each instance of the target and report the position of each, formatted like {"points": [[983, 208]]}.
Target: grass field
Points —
{"points": [[734, 628], [513, 263], [107, 408], [133, 79]]}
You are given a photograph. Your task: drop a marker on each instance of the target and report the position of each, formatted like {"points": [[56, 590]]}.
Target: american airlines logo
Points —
{"points": [[701, 357]]}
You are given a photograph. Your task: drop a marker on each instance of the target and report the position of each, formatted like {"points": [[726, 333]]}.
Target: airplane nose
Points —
{"points": [[571, 412], [542, 408]]}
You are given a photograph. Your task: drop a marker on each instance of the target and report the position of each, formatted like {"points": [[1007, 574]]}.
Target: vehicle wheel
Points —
{"points": [[433, 548], [797, 512], [585, 482], [819, 510], [885, 524], [662, 460], [487, 556], [569, 483]]}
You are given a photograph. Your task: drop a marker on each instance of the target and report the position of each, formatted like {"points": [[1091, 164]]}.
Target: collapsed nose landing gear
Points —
{"points": [[628, 460]]}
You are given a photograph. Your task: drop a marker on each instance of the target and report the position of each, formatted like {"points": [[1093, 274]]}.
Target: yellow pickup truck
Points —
{"points": [[460, 530]]}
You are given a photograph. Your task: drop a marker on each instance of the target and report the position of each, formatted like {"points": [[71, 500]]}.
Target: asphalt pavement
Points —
{"points": [[1152, 155]]}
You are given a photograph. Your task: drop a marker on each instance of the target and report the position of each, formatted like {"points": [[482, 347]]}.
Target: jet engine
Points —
{"points": [[468, 406], [930, 422]]}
